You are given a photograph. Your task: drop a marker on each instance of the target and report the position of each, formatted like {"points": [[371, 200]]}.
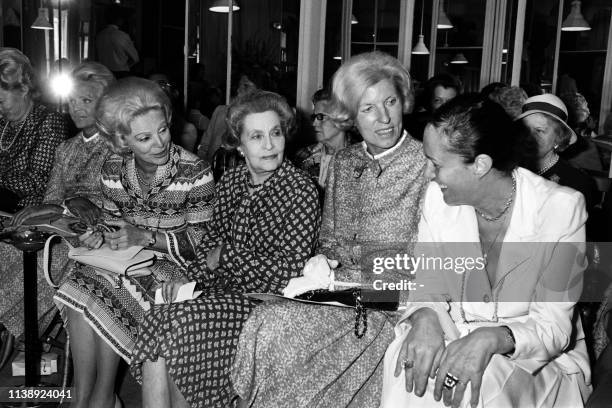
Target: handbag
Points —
{"points": [[129, 261], [359, 298]]}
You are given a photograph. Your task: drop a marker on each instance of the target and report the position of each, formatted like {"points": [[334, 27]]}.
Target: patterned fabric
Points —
{"points": [[178, 204], [27, 153], [266, 238], [302, 355], [76, 171]]}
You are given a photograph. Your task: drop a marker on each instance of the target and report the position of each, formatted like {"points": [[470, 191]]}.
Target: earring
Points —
{"points": [[240, 152]]}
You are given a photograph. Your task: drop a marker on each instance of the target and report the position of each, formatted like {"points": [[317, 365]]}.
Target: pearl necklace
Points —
{"points": [[7, 148], [549, 163], [506, 206]]}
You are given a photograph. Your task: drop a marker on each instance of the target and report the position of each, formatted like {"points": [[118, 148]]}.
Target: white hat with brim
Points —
{"points": [[548, 104]]}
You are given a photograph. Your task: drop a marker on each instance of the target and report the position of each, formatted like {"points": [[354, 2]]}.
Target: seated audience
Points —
{"points": [[331, 138], [303, 355], [264, 228], [30, 134], [438, 90], [583, 154], [503, 334], [545, 117], [160, 196], [76, 171]]}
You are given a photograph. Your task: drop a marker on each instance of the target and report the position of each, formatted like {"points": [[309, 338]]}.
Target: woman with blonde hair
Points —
{"points": [[159, 195], [304, 355]]}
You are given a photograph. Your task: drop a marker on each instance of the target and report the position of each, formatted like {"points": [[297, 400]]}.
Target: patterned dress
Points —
{"points": [[294, 354], [266, 238], [76, 171], [27, 152], [178, 203]]}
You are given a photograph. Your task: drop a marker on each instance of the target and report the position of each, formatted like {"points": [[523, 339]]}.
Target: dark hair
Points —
{"points": [[443, 80], [322, 94], [487, 90], [257, 102], [474, 125]]}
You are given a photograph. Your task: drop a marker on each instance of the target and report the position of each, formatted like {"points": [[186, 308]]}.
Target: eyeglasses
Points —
{"points": [[321, 117]]}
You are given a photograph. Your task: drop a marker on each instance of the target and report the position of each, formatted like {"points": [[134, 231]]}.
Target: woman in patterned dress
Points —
{"points": [[76, 171], [30, 133], [303, 355], [264, 228], [162, 196]]}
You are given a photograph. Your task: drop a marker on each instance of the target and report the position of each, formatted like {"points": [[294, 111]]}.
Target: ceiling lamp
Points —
{"points": [[459, 58], [420, 48], [354, 19], [42, 21], [575, 21], [222, 6], [443, 20]]}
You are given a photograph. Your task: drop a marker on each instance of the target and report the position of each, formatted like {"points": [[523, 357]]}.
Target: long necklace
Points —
{"points": [[7, 148], [485, 254], [506, 206], [549, 163]]}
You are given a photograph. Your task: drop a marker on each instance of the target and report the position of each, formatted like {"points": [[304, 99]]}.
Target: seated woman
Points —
{"points": [[30, 134], [162, 195], [502, 333], [76, 171], [264, 228], [545, 116], [331, 137], [303, 355]]}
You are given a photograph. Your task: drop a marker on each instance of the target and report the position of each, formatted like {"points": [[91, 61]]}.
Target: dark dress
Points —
{"points": [[267, 237], [26, 155]]}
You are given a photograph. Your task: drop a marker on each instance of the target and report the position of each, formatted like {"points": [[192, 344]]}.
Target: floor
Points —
{"points": [[128, 388]]}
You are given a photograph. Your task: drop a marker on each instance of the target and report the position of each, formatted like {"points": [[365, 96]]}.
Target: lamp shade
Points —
{"points": [[459, 58], [575, 21], [354, 19], [42, 21], [420, 47], [443, 20], [222, 6]]}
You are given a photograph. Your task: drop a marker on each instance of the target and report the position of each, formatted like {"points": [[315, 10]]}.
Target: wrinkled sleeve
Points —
{"points": [[328, 244], [56, 192], [183, 243], [547, 330], [259, 273], [33, 182]]}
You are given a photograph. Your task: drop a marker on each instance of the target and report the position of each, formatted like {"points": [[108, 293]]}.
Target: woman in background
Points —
{"points": [[29, 136]]}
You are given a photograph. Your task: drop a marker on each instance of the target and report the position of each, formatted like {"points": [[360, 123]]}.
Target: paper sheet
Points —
{"points": [[185, 292]]}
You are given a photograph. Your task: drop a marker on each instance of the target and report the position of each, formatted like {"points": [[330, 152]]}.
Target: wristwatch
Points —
{"points": [[152, 240]]}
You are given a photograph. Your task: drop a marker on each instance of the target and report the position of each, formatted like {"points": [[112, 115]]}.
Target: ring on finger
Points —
{"points": [[407, 364], [450, 381]]}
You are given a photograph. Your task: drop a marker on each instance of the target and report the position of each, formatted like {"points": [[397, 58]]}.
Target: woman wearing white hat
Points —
{"points": [[545, 116]]}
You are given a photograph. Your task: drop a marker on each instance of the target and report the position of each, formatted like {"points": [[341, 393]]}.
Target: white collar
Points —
{"points": [[386, 152], [91, 138]]}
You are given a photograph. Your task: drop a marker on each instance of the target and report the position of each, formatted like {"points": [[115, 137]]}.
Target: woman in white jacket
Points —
{"points": [[498, 330]]}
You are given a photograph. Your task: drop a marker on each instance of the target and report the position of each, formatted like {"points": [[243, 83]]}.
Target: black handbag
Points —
{"points": [[359, 298]]}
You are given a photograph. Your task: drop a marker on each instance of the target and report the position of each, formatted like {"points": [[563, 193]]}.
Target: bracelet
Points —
{"points": [[152, 241]]}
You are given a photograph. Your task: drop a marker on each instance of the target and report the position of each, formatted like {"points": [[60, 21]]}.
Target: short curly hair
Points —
{"points": [[361, 72], [257, 101], [93, 73], [16, 72], [125, 100]]}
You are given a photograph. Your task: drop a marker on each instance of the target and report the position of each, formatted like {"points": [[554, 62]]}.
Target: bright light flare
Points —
{"points": [[61, 85]]}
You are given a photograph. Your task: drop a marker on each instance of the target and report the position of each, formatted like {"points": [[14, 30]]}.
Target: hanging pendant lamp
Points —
{"points": [[42, 21], [575, 21], [222, 6], [459, 58], [420, 48], [444, 22]]}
